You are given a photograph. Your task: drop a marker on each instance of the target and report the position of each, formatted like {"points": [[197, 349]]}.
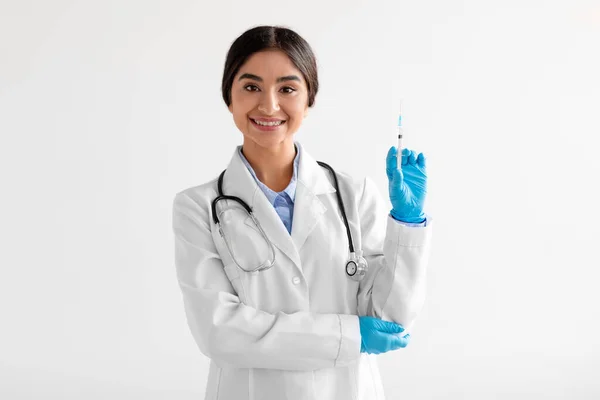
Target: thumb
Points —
{"points": [[399, 176], [391, 162], [388, 327]]}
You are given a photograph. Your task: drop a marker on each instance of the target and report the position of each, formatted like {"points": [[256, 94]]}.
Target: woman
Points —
{"points": [[277, 302]]}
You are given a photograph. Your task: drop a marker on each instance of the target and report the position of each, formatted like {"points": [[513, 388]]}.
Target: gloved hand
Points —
{"points": [[407, 185], [379, 336]]}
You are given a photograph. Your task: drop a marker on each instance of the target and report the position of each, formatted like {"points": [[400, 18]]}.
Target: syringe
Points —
{"points": [[399, 147]]}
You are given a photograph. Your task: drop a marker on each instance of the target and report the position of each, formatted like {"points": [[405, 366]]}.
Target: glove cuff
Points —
{"points": [[411, 220]]}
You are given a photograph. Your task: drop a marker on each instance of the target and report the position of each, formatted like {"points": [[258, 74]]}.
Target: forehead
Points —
{"points": [[270, 65]]}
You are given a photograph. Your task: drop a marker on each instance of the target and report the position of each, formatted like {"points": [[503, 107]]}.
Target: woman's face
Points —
{"points": [[268, 88]]}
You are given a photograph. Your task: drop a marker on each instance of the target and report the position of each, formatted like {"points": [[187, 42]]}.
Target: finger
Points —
{"points": [[391, 162], [399, 342], [387, 326], [411, 158], [421, 160], [394, 342], [404, 340], [405, 153]]}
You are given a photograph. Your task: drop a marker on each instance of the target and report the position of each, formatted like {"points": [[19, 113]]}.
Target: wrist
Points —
{"points": [[408, 219]]}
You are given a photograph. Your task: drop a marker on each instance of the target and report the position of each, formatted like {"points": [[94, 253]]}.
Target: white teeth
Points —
{"points": [[268, 123]]}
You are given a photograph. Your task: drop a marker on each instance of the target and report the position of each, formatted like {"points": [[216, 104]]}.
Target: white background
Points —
{"points": [[108, 108]]}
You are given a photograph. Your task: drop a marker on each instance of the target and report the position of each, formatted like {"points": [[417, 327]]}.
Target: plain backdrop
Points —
{"points": [[108, 108]]}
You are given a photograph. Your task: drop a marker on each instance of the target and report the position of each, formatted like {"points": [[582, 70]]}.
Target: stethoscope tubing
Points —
{"points": [[222, 196]]}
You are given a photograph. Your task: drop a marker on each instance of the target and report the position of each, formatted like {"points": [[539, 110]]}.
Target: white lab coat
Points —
{"points": [[291, 332]]}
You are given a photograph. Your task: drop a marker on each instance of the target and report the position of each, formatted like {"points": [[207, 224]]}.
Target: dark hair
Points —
{"points": [[263, 38]]}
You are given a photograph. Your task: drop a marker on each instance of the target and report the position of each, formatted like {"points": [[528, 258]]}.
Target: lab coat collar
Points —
{"points": [[308, 208]]}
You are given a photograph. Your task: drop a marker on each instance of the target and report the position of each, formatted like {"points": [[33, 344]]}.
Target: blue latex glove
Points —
{"points": [[379, 336], [407, 185]]}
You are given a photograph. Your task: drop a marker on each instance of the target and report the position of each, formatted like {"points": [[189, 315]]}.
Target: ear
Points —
{"points": [[305, 111], [230, 108]]}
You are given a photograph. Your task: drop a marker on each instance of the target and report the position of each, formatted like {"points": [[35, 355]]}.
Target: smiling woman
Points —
{"points": [[264, 102], [288, 269], [269, 83]]}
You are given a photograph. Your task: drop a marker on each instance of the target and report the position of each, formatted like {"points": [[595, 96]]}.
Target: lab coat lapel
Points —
{"points": [[239, 182], [308, 208]]}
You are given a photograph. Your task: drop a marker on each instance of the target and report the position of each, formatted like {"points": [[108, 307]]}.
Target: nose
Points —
{"points": [[268, 103]]}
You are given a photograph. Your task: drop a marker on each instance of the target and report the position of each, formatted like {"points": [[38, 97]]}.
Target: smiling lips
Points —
{"points": [[266, 119], [267, 124]]}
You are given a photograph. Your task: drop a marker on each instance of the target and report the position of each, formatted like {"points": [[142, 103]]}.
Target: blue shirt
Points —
{"points": [[283, 202]]}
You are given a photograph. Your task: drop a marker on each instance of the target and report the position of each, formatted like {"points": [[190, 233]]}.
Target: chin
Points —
{"points": [[268, 140]]}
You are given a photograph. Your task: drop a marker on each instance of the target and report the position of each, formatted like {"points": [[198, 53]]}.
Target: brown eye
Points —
{"points": [[250, 86], [291, 89]]}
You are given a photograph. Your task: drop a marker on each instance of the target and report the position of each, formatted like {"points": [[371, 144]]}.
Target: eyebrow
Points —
{"points": [[259, 79]]}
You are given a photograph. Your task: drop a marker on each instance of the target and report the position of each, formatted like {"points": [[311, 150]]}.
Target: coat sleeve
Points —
{"points": [[236, 335], [395, 285]]}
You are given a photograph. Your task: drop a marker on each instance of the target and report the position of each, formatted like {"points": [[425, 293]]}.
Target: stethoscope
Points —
{"points": [[356, 266]]}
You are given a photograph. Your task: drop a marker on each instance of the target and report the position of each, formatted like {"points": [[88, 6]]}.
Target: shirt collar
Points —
{"points": [[290, 190]]}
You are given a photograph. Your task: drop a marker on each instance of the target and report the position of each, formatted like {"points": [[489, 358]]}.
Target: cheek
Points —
{"points": [[297, 115], [241, 106], [239, 97], [296, 109]]}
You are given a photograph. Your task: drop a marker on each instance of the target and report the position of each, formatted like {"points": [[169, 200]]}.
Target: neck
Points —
{"points": [[273, 166]]}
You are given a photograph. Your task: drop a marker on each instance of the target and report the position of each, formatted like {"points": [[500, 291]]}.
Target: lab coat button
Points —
{"points": [[296, 280]]}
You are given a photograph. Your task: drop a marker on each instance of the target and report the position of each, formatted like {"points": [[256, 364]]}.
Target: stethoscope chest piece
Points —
{"points": [[356, 267]]}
